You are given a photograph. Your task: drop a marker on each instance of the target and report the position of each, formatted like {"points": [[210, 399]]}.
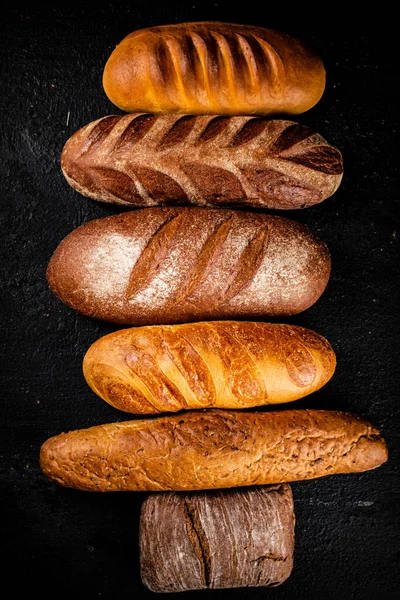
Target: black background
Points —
{"points": [[59, 542]]}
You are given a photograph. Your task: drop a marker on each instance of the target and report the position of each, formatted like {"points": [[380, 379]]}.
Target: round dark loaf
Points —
{"points": [[212, 449], [212, 67], [170, 265], [147, 160], [217, 539]]}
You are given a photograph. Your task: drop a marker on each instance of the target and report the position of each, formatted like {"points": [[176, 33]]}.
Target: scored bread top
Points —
{"points": [[149, 160], [212, 67], [169, 265], [225, 364]]}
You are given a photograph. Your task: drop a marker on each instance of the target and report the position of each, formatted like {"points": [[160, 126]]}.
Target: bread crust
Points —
{"points": [[172, 265], [212, 449], [223, 364], [141, 160], [211, 67], [181, 535]]}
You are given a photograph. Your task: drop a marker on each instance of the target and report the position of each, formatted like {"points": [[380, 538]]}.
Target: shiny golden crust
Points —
{"points": [[223, 364], [143, 160], [212, 449], [180, 537], [174, 265], [213, 68]]}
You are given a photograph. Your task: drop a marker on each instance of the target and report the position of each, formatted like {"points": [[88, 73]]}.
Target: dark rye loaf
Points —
{"points": [[217, 539]]}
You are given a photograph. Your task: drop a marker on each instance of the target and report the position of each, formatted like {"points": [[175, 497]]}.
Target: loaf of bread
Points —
{"points": [[212, 448], [212, 67], [223, 364], [149, 160], [217, 539], [169, 265]]}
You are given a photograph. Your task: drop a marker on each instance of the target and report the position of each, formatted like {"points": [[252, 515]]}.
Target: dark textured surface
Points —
{"points": [[181, 533], [62, 542]]}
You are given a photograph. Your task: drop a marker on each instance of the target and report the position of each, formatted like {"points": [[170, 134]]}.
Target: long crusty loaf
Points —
{"points": [[148, 160], [223, 364], [212, 67], [169, 265], [217, 539], [212, 449]]}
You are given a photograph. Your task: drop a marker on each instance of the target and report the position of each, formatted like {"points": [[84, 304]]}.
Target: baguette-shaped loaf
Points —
{"points": [[217, 539], [148, 160], [169, 265], [223, 364], [212, 67], [212, 449]]}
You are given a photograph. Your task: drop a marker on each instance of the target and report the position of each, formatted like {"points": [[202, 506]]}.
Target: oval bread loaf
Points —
{"points": [[149, 160], [184, 533], [169, 265], [224, 364], [212, 449], [211, 67]]}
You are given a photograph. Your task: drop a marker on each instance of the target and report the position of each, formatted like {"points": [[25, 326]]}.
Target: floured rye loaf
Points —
{"points": [[211, 449], [170, 265], [149, 160], [225, 364], [217, 539], [212, 67]]}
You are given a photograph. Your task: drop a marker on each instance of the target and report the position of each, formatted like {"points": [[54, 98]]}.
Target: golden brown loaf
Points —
{"points": [[211, 449], [169, 265], [212, 67], [149, 160], [223, 364], [181, 536]]}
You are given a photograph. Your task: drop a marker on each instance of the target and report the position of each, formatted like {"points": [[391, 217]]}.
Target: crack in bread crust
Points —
{"points": [[180, 538]]}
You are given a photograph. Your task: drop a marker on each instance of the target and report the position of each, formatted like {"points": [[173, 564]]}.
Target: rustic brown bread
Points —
{"points": [[223, 364], [212, 449], [147, 160], [217, 539], [170, 265], [211, 67]]}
